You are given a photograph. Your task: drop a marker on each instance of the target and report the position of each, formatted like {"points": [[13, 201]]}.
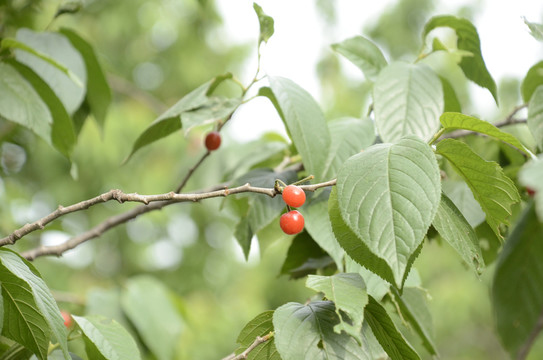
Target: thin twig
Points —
{"points": [[259, 340], [191, 171], [525, 349], [152, 202]]}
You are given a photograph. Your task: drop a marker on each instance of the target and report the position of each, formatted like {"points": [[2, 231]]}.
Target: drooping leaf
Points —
{"points": [[304, 257], [62, 128], [307, 332], [452, 121], [516, 292], [304, 121], [531, 81], [106, 339], [536, 30], [69, 86], [454, 228], [462, 197], [386, 332], [98, 91], [492, 189], [375, 285], [408, 99], [266, 24], [20, 103], [388, 196], [450, 100], [31, 315], [468, 39], [261, 325], [530, 175], [535, 116], [244, 235], [348, 292], [364, 54]]}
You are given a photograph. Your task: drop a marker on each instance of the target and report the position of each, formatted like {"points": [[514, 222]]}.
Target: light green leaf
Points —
{"points": [[468, 39], [386, 332], [388, 196], [536, 30], [261, 325], [531, 81], [375, 285], [106, 339], [462, 197], [364, 54], [98, 91], [20, 103], [535, 116], [408, 99], [70, 87], [452, 121], [530, 175], [31, 316], [304, 121], [348, 292], [414, 308], [454, 228], [266, 24], [517, 298], [307, 332], [146, 302], [62, 130], [492, 189], [451, 102]]}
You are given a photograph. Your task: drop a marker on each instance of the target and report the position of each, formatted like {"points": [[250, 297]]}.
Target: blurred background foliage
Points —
{"points": [[154, 52]]}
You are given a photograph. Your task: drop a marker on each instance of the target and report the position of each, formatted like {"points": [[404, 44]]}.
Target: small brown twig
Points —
{"points": [[191, 171], [259, 340]]}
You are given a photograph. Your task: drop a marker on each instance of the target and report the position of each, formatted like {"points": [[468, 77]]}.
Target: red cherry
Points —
{"points": [[68, 322], [292, 222], [213, 140], [293, 196], [530, 191]]}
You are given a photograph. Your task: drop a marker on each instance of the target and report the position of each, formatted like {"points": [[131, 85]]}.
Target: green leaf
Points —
{"points": [[454, 228], [462, 197], [98, 91], [20, 103], [530, 175], [531, 81], [414, 308], [146, 302], [266, 24], [69, 85], [261, 325], [106, 339], [348, 292], [492, 189], [304, 121], [467, 39], [364, 54], [408, 99], [536, 30], [386, 332], [304, 257], [307, 332], [244, 235], [452, 121], [388, 196], [535, 116], [516, 292], [451, 102], [31, 315], [62, 130], [375, 285]]}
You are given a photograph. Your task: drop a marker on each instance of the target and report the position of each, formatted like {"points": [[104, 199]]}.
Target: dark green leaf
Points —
{"points": [[531, 81], [261, 325], [98, 91], [530, 175], [147, 303], [304, 121], [244, 235], [408, 99], [386, 332], [517, 298], [304, 257], [266, 24], [535, 116], [364, 54], [492, 189], [468, 39], [451, 102], [307, 332], [106, 339], [348, 292], [536, 29], [454, 228], [69, 85], [388, 196]]}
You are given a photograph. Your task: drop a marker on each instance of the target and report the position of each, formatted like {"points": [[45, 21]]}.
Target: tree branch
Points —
{"points": [[259, 340], [152, 202]]}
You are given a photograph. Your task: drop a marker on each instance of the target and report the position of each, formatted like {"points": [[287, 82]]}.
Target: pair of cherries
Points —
{"points": [[292, 222]]}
